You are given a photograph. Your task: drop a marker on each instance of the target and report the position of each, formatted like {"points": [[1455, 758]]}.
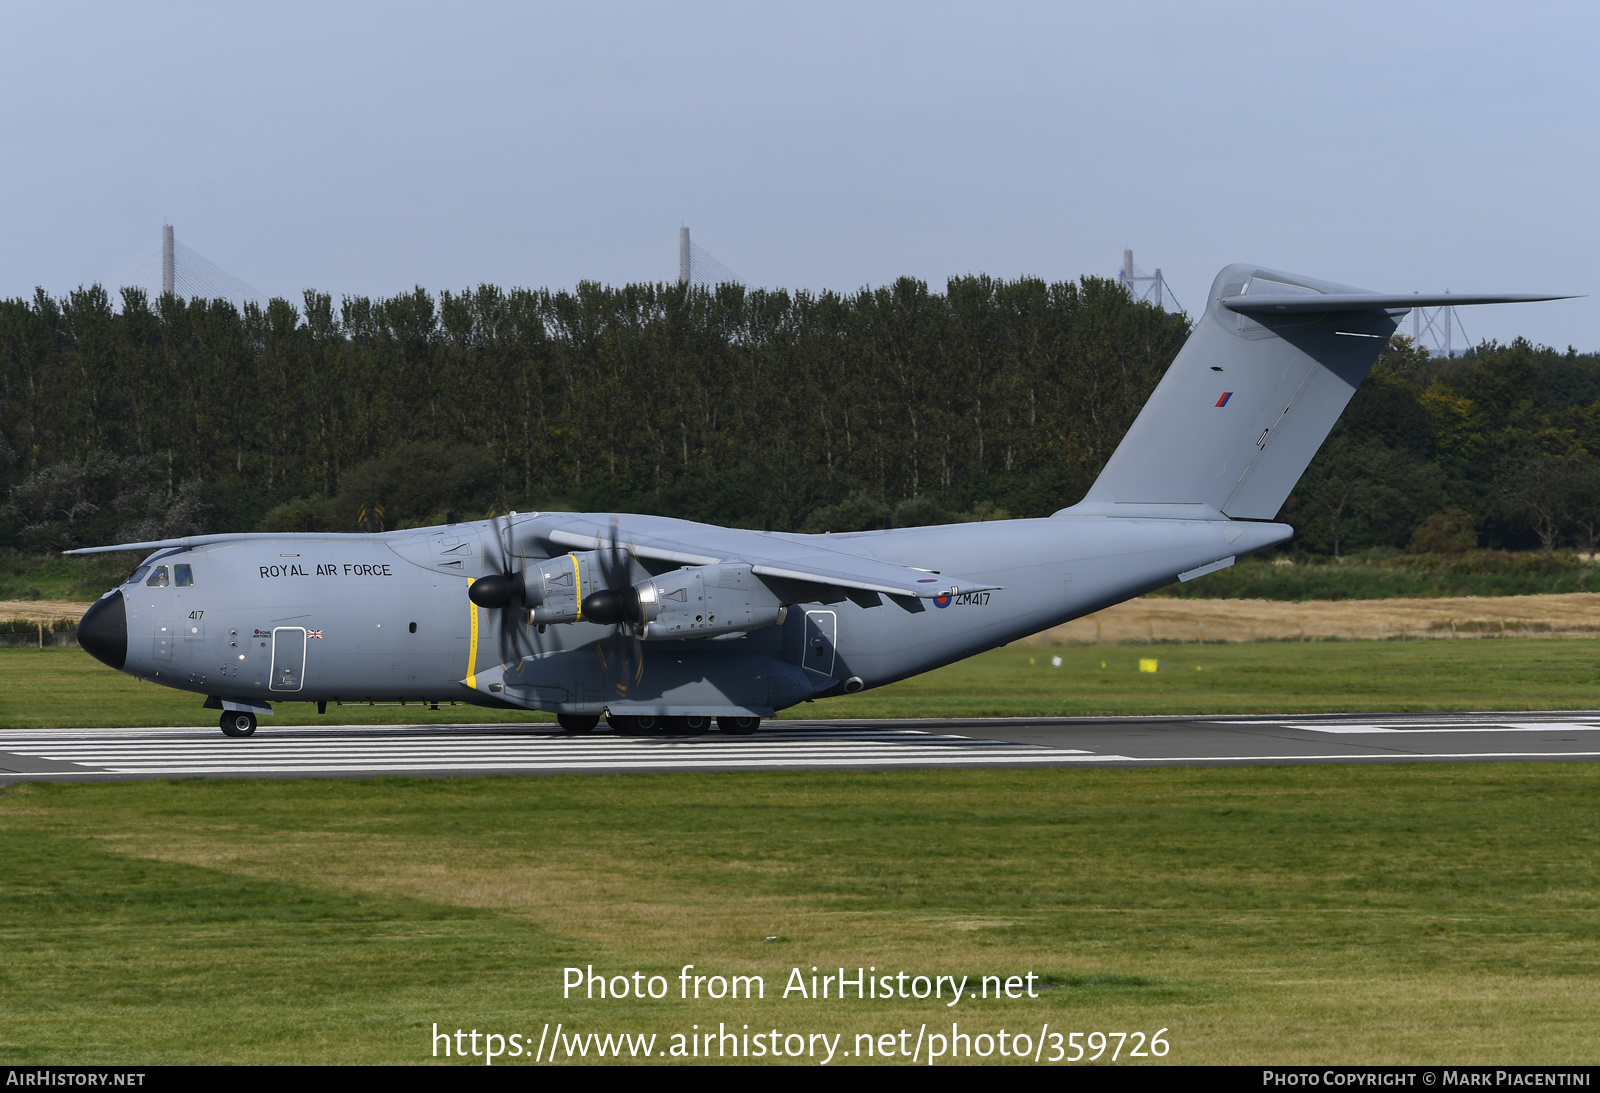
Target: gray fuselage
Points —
{"points": [[357, 618]]}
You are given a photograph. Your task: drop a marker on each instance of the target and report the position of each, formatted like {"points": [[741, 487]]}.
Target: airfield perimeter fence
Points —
{"points": [[23, 634]]}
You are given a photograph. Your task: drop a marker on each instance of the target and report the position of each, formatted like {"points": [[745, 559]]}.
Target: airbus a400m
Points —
{"points": [[667, 625]]}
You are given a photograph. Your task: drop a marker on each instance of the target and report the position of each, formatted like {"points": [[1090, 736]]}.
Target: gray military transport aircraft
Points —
{"points": [[662, 625]]}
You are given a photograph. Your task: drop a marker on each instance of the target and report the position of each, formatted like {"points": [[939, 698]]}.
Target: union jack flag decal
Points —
{"points": [[313, 633]]}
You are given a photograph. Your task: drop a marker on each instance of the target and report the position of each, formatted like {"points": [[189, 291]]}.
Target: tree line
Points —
{"points": [[139, 417], [749, 407], [1497, 448]]}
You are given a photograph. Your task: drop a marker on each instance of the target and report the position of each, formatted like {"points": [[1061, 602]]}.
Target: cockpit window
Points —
{"points": [[138, 574], [158, 579], [183, 575]]}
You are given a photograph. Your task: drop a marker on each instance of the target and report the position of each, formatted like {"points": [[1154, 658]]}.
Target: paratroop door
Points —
{"points": [[288, 658], [822, 630]]}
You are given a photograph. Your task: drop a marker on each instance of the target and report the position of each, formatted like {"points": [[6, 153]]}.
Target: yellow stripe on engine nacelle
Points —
{"points": [[472, 650], [577, 583]]}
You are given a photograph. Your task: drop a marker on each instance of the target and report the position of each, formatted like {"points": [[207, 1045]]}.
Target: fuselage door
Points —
{"points": [[821, 631], [288, 658]]}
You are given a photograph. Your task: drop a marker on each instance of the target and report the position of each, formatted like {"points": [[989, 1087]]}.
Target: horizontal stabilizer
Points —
{"points": [[1318, 303]]}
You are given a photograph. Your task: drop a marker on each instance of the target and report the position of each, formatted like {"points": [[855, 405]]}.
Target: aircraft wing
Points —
{"points": [[168, 544], [680, 542], [767, 555]]}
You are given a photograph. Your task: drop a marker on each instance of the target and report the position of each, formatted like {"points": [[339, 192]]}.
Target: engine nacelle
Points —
{"points": [[554, 589], [706, 600], [696, 601]]}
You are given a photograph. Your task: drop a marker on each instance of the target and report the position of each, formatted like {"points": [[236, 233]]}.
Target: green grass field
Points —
{"points": [[1318, 914], [66, 687]]}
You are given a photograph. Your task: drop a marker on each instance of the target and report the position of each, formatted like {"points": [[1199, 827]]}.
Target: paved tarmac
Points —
{"points": [[360, 751]]}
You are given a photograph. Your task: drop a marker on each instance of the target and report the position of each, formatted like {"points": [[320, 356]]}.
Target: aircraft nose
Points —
{"points": [[103, 631]]}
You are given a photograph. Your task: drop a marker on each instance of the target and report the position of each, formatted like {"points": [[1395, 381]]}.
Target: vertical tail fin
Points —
{"points": [[1251, 396]]}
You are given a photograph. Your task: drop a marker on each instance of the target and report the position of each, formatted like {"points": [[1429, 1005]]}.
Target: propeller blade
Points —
{"points": [[503, 589], [515, 623], [636, 647], [618, 603], [622, 660]]}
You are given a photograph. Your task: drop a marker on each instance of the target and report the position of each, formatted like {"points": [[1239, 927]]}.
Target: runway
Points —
{"points": [[362, 751]]}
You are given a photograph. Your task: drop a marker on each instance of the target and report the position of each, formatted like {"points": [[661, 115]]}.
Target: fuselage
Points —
{"points": [[386, 617]]}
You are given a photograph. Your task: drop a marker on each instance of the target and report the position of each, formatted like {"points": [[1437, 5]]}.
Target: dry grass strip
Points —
{"points": [[1575, 614], [41, 610]]}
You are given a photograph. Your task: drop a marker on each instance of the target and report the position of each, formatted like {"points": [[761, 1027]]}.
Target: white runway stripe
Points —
{"points": [[351, 749], [1388, 727], [461, 749], [507, 753], [682, 763], [595, 755]]}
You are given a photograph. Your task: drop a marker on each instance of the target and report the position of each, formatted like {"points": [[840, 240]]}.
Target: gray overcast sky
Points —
{"points": [[368, 148]]}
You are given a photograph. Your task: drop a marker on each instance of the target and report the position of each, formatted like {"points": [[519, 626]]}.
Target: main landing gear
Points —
{"points": [[577, 722], [692, 725], [238, 723]]}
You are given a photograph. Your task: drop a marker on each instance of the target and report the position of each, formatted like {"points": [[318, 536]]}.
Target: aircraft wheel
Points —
{"points": [[630, 726], [739, 726], [650, 724], [693, 725], [238, 723], [577, 722]]}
